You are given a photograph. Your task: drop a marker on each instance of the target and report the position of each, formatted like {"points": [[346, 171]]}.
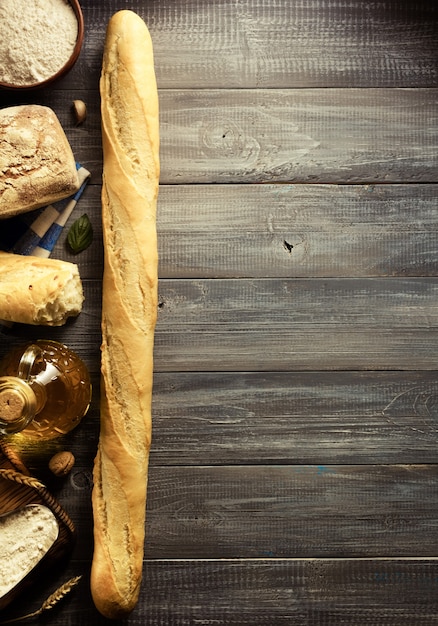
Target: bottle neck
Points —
{"points": [[20, 401]]}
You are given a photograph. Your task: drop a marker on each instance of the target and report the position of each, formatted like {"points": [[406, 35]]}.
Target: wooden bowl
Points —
{"points": [[66, 67]]}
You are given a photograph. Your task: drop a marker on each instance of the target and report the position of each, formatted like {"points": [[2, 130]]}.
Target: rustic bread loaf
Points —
{"points": [[37, 166], [36, 290], [130, 133]]}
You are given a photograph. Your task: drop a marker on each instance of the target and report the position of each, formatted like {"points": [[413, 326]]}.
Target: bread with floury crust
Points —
{"points": [[39, 291], [130, 136], [37, 166]]}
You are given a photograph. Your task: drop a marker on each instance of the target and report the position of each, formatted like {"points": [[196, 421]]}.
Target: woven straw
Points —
{"points": [[18, 488]]}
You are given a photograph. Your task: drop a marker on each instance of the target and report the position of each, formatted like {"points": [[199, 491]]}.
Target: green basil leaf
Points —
{"points": [[80, 234]]}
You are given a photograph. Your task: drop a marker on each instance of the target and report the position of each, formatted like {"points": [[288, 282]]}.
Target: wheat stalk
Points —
{"points": [[51, 601], [49, 500]]}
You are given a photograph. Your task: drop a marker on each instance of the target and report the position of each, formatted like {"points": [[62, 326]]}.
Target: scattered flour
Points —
{"points": [[26, 536], [36, 39]]}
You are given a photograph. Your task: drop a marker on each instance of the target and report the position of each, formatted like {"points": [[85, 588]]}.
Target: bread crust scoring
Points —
{"points": [[130, 135], [37, 166]]}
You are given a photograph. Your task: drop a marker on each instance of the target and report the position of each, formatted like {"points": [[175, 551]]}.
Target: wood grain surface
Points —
{"points": [[284, 135], [293, 476]]}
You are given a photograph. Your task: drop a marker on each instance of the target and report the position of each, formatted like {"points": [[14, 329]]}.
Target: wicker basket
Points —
{"points": [[18, 488]]}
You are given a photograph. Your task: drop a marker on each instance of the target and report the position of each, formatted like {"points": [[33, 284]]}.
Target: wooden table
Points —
{"points": [[293, 475]]}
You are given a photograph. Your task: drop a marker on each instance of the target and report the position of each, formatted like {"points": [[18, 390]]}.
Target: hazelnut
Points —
{"points": [[80, 111], [61, 463]]}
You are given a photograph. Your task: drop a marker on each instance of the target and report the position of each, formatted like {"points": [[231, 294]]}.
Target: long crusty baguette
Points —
{"points": [[38, 291], [130, 130]]}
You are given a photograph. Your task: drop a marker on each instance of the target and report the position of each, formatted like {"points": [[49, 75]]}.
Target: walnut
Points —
{"points": [[61, 463]]}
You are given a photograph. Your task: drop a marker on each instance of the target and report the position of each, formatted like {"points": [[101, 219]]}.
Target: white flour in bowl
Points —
{"points": [[36, 39], [26, 536]]}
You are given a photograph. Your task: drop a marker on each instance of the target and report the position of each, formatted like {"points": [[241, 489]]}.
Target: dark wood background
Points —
{"points": [[293, 475]]}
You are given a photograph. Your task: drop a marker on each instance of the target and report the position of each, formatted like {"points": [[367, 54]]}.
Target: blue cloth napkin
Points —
{"points": [[36, 232]]}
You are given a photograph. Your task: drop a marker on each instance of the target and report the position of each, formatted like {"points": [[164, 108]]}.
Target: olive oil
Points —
{"points": [[45, 390]]}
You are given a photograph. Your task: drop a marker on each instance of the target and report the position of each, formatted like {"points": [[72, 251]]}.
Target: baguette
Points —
{"points": [[130, 136], [38, 291]]}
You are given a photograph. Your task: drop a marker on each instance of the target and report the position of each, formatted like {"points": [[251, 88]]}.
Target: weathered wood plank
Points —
{"points": [[297, 135], [292, 511], [304, 593], [297, 230], [371, 135], [260, 43], [282, 418], [292, 592], [269, 325], [221, 231], [381, 303], [277, 325], [335, 417], [281, 511]]}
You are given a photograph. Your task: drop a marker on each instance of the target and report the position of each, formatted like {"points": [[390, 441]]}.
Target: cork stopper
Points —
{"points": [[17, 404], [12, 404]]}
